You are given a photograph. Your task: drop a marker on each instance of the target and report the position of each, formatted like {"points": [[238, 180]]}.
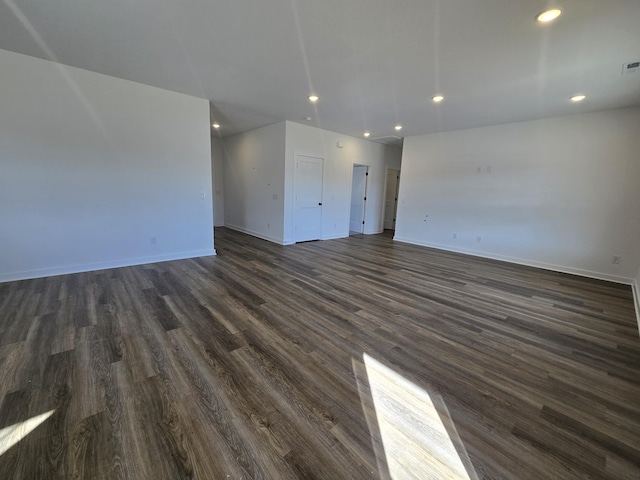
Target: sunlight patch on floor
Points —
{"points": [[417, 444], [12, 434]]}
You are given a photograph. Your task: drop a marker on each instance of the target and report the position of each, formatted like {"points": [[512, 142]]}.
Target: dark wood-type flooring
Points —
{"points": [[250, 365]]}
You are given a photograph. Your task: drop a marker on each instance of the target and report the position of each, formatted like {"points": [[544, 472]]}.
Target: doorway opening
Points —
{"points": [[391, 198], [358, 198]]}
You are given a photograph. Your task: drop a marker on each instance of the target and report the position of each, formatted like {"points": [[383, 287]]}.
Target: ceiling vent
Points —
{"points": [[632, 67]]}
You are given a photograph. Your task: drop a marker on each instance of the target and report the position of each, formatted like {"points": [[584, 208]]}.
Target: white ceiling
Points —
{"points": [[373, 63]]}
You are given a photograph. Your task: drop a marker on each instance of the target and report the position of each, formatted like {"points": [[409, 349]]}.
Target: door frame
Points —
{"points": [[366, 188], [384, 193]]}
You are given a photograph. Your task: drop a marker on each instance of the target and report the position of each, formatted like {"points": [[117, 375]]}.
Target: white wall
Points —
{"points": [[217, 180], [562, 193], [338, 170], [92, 167], [254, 182]]}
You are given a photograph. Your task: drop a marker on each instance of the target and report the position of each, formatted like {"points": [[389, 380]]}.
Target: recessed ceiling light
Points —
{"points": [[366, 134], [549, 15], [215, 125], [313, 98], [578, 98], [398, 127], [437, 98]]}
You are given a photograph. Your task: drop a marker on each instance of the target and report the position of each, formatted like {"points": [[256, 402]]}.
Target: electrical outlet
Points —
{"points": [[616, 260], [478, 239], [455, 235], [154, 240], [479, 170]]}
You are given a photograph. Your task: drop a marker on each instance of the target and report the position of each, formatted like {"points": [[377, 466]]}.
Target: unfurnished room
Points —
{"points": [[297, 239]]}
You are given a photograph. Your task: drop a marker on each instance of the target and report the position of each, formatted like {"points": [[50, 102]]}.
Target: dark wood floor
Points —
{"points": [[253, 364]]}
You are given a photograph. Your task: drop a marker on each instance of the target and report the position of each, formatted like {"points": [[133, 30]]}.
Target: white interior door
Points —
{"points": [[358, 198], [308, 198], [391, 199]]}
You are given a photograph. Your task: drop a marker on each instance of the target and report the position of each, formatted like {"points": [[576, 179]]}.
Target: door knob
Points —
{"points": [[319, 203]]}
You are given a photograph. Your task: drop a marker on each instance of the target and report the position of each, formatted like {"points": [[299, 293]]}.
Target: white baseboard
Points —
{"points": [[255, 234], [90, 267], [334, 237], [522, 261], [276, 240], [636, 300]]}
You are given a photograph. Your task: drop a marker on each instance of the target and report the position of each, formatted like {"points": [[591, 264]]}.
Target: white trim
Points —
{"points": [[635, 287], [275, 240], [522, 261], [90, 267], [334, 237], [255, 234]]}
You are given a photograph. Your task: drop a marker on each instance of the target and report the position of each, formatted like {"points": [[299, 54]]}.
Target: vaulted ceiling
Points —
{"points": [[373, 63]]}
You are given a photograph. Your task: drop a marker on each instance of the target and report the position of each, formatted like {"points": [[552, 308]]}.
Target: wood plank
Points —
{"points": [[252, 364]]}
